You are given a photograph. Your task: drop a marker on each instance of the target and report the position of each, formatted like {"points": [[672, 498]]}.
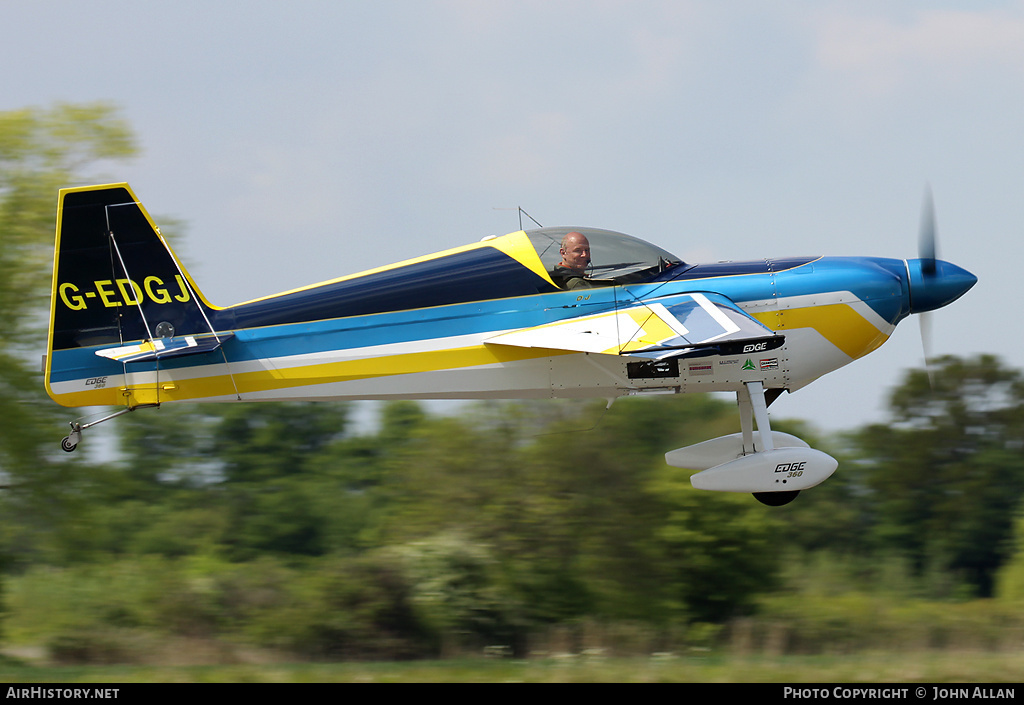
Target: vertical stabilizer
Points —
{"points": [[115, 282]]}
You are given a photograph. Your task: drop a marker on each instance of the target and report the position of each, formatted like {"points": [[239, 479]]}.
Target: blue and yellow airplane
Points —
{"points": [[531, 314]]}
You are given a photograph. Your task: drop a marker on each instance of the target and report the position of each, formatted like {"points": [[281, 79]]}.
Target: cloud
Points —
{"points": [[879, 54]]}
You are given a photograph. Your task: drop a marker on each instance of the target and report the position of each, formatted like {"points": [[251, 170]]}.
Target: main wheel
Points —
{"points": [[776, 499]]}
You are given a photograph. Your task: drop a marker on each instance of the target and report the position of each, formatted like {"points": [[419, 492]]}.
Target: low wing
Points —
{"points": [[691, 325]]}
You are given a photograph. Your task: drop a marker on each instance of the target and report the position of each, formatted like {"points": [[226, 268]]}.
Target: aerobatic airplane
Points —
{"points": [[544, 313]]}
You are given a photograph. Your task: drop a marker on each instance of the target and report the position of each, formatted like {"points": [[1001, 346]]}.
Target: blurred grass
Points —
{"points": [[877, 667], [153, 620]]}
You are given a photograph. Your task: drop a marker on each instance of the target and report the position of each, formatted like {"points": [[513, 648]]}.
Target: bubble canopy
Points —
{"points": [[615, 258]]}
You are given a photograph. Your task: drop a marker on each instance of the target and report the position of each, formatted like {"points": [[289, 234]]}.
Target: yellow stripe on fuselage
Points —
{"points": [[409, 363], [252, 382], [840, 324]]}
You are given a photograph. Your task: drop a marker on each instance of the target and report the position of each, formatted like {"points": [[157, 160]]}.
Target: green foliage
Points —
{"points": [[945, 478], [42, 151], [457, 589], [269, 441], [269, 470], [332, 607], [1010, 579], [559, 493], [349, 608], [836, 604], [494, 523], [720, 550]]}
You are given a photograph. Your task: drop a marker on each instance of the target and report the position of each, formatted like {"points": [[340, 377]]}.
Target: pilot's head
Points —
{"points": [[575, 251]]}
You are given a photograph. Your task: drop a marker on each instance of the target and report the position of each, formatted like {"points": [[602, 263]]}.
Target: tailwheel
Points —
{"points": [[776, 499], [70, 441]]}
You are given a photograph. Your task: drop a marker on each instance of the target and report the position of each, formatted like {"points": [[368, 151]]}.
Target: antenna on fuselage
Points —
{"points": [[521, 214]]}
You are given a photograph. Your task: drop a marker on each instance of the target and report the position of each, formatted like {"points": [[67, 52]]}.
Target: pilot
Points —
{"points": [[571, 272]]}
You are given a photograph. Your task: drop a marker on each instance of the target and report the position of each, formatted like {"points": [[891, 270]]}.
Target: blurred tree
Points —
{"points": [[946, 476], [273, 493], [351, 607], [564, 498], [41, 150], [598, 496], [457, 593], [719, 550], [1010, 579], [234, 480], [834, 516], [166, 447]]}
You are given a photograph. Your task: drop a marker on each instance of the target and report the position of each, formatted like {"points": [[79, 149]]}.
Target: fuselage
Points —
{"points": [[419, 329]]}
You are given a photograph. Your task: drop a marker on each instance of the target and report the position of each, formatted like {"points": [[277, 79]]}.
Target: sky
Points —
{"points": [[301, 141]]}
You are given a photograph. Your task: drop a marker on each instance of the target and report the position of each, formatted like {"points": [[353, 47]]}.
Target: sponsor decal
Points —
{"points": [[749, 365], [771, 363], [791, 469], [702, 369], [734, 361]]}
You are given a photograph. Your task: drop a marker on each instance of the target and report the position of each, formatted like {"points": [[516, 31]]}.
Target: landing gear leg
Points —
{"points": [[771, 465], [71, 441], [752, 403], [753, 407]]}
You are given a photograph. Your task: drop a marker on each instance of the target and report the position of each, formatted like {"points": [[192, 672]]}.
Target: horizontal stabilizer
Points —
{"points": [[696, 323], [163, 348]]}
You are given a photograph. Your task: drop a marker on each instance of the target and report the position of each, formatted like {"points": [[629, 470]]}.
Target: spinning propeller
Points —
{"points": [[933, 282], [927, 248]]}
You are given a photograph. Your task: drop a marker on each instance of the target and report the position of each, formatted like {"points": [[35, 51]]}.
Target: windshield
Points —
{"points": [[614, 258]]}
